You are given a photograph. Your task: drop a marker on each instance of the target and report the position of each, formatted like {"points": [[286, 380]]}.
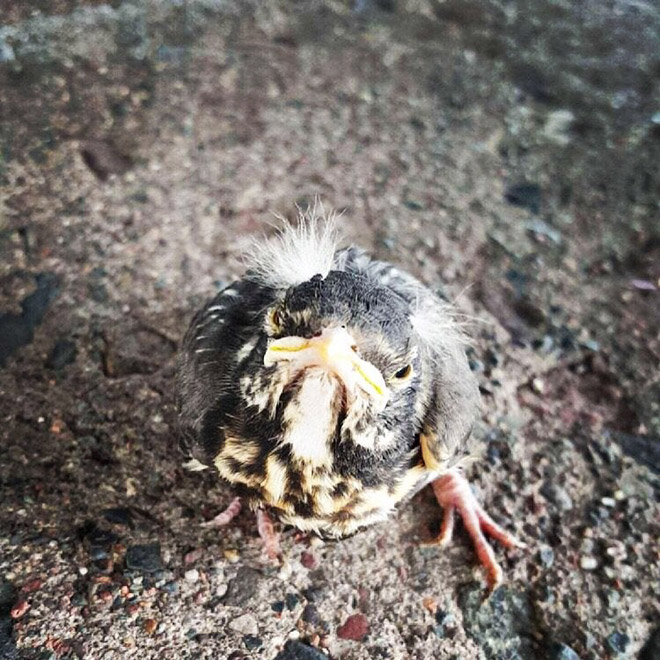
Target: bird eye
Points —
{"points": [[275, 319], [404, 373]]}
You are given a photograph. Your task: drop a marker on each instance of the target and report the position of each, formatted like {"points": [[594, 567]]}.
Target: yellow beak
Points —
{"points": [[334, 351]]}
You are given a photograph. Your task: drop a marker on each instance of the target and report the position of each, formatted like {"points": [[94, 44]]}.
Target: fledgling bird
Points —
{"points": [[327, 387]]}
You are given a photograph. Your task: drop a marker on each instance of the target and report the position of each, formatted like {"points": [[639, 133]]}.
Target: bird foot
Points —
{"points": [[226, 516], [453, 493], [268, 534]]}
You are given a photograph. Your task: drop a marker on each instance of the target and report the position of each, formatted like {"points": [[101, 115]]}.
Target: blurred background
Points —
{"points": [[505, 151]]}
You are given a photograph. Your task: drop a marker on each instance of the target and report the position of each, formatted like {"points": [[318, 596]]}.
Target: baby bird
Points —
{"points": [[326, 388]]}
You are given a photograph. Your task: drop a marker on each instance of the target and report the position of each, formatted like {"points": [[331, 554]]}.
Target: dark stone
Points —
{"points": [[291, 601], [8, 650], [314, 593], [97, 537], [502, 625], [645, 449], [78, 600], [557, 651], [295, 650], [8, 595], [64, 352], [119, 516], [144, 558], [532, 314], [443, 617], [243, 590], [17, 330], [651, 650], [103, 159], [97, 292], [526, 195], [171, 587], [618, 642], [277, 606], [252, 642], [97, 553], [310, 614]]}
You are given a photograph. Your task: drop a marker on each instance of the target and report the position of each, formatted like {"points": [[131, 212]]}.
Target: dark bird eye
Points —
{"points": [[275, 319], [404, 373]]}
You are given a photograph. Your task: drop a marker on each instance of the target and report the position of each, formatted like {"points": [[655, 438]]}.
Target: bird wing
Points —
{"points": [[219, 337], [450, 400]]}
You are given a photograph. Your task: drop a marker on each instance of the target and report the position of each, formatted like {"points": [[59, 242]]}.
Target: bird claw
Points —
{"points": [[226, 516], [268, 535], [453, 493]]}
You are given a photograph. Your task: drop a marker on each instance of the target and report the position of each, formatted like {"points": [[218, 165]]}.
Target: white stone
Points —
{"points": [[245, 624]]}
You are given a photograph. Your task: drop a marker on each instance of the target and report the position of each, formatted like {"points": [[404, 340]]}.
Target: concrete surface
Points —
{"points": [[506, 152]]}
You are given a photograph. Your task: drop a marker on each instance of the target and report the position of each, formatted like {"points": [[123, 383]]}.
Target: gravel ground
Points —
{"points": [[508, 153]]}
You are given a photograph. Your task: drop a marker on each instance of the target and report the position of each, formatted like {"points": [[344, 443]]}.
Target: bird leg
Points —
{"points": [[268, 534], [226, 516], [453, 493]]}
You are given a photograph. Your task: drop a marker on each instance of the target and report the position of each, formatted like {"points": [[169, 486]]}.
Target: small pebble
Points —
{"points": [[193, 556], [19, 609], [285, 571], [32, 585], [171, 587], [588, 563], [150, 626], [232, 556], [252, 642], [291, 601], [144, 557], [547, 556], [609, 502], [245, 624], [308, 560], [618, 642], [557, 495], [355, 627], [538, 386], [431, 604], [277, 607], [310, 614], [295, 650], [191, 575], [562, 652]]}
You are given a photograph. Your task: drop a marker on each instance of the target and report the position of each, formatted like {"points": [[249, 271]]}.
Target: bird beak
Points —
{"points": [[334, 351]]}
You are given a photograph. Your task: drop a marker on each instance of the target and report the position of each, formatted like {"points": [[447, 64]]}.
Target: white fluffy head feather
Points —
{"points": [[297, 252], [439, 327]]}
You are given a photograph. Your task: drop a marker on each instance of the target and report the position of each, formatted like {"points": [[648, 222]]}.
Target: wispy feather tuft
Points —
{"points": [[297, 252], [439, 326]]}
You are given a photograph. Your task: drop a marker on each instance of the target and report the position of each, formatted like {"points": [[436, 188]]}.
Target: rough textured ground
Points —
{"points": [[506, 152]]}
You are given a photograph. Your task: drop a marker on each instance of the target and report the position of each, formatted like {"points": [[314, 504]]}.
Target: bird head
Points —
{"points": [[343, 329], [350, 349]]}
